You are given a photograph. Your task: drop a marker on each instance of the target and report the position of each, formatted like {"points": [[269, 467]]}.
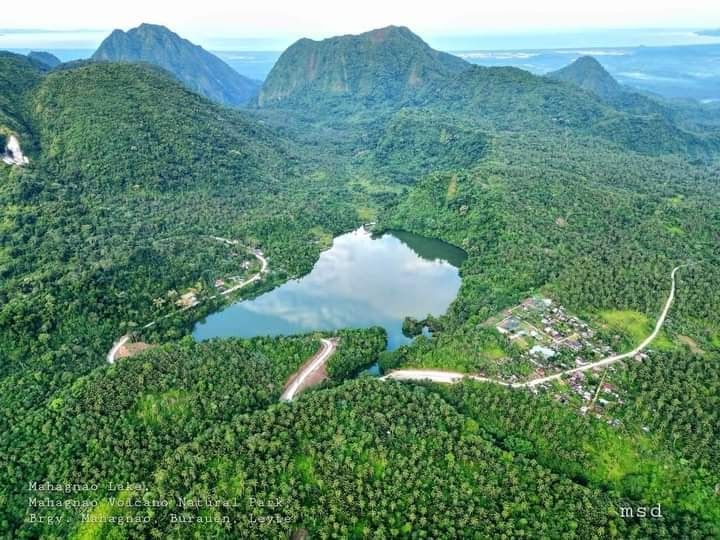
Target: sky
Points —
{"points": [[276, 23]]}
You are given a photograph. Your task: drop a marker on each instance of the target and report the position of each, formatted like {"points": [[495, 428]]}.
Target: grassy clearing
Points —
{"points": [[366, 214], [452, 188], [637, 326], [157, 409], [322, 237], [633, 327], [637, 466]]}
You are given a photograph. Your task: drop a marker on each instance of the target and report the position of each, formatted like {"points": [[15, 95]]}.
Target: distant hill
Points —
{"points": [[49, 59], [189, 63], [376, 67], [587, 73], [715, 32]]}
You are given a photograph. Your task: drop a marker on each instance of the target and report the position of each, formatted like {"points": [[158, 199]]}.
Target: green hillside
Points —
{"points": [[131, 177], [18, 75], [154, 134], [45, 58], [357, 83]]}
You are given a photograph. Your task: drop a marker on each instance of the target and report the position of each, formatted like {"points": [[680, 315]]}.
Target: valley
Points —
{"points": [[233, 240]]}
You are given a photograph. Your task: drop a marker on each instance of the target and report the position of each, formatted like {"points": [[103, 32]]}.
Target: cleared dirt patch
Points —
{"points": [[690, 342], [132, 349]]}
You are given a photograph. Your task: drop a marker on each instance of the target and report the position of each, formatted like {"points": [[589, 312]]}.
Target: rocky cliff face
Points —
{"points": [[380, 66], [13, 154]]}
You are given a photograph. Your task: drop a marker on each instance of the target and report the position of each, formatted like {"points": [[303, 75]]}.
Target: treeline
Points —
{"points": [[624, 460], [115, 211], [116, 423]]}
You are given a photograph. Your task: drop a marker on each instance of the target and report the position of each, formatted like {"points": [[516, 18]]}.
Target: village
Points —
{"points": [[552, 340]]}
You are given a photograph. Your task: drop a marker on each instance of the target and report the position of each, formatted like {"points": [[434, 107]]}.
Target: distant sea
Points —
{"points": [[669, 62]]}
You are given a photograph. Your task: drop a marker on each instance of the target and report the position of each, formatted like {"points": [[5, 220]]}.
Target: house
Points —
{"points": [[219, 283], [545, 352], [188, 299], [573, 344], [508, 326]]}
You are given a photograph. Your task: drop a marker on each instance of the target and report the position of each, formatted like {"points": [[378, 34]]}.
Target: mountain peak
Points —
{"points": [[200, 70], [589, 74], [151, 26], [376, 67], [387, 32]]}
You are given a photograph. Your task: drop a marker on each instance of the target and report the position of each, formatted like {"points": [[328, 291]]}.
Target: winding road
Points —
{"points": [[451, 377], [112, 354], [297, 382]]}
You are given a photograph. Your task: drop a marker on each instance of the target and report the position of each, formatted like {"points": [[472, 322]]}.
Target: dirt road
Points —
{"points": [[309, 372], [451, 377], [112, 354]]}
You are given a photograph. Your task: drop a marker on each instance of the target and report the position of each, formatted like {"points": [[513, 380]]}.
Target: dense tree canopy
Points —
{"points": [[548, 189]]}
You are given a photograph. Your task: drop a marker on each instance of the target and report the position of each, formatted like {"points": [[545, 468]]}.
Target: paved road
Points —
{"points": [[112, 354], [451, 377], [327, 348]]}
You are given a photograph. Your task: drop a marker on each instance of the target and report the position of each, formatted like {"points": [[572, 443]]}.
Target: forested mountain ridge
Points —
{"points": [[191, 64], [18, 75], [384, 65], [587, 73], [46, 58], [364, 80], [174, 141]]}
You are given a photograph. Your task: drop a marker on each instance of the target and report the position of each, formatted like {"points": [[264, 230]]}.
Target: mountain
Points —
{"points": [[46, 58], [712, 33], [587, 73], [365, 79], [377, 67], [156, 132], [130, 137], [189, 63], [548, 188]]}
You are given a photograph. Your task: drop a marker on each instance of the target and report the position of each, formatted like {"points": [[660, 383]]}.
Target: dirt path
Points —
{"points": [[310, 373], [451, 377], [112, 354]]}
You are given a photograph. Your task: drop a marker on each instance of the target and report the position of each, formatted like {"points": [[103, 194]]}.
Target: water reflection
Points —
{"points": [[360, 281]]}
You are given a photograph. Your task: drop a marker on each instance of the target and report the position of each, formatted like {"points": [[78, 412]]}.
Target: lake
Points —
{"points": [[361, 281]]}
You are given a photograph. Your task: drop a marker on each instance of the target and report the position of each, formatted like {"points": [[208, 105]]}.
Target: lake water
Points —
{"points": [[359, 282]]}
